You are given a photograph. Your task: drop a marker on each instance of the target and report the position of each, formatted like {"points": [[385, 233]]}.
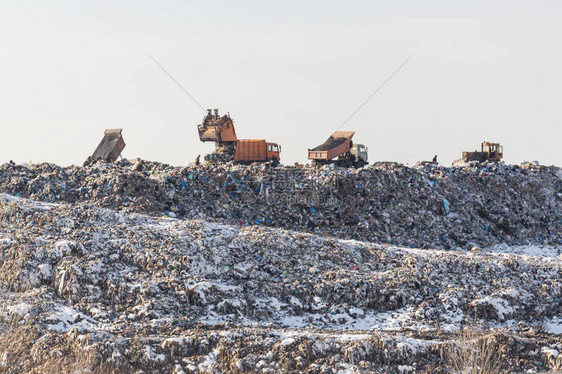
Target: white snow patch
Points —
{"points": [[20, 309], [287, 342], [152, 356], [554, 326], [529, 250], [27, 203], [210, 361], [65, 318], [45, 270], [405, 368], [502, 307], [412, 345], [550, 352]]}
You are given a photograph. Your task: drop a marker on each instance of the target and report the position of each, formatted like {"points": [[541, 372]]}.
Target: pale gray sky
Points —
{"points": [[287, 71]]}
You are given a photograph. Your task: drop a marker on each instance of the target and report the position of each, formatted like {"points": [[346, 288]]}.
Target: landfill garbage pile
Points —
{"points": [[428, 206], [142, 293], [223, 153]]}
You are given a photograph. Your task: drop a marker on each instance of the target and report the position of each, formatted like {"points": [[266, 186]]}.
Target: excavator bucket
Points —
{"points": [[217, 129], [110, 146]]}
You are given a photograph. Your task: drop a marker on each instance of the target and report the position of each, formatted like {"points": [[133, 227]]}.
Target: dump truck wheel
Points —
{"points": [[360, 164]]}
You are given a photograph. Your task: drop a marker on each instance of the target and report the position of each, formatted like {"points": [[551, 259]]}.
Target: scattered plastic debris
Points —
{"points": [[93, 258]]}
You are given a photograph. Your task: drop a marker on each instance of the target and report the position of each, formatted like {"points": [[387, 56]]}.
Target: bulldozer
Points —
{"points": [[489, 152], [340, 150], [221, 131]]}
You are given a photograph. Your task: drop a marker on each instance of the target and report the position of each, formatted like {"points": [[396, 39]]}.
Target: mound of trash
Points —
{"points": [[427, 206], [133, 291]]}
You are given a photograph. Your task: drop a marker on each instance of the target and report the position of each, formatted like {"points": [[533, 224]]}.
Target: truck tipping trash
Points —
{"points": [[110, 147], [340, 150], [220, 130]]}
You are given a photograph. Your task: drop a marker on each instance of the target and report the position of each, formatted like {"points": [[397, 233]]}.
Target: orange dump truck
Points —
{"points": [[220, 130], [256, 150], [340, 150]]}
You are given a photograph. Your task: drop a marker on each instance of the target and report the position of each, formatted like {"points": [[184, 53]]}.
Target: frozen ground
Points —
{"points": [[163, 294]]}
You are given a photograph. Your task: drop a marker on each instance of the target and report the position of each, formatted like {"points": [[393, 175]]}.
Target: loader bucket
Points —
{"points": [[209, 133], [217, 129]]}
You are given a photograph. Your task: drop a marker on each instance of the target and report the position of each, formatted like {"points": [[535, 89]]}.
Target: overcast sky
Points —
{"points": [[287, 71]]}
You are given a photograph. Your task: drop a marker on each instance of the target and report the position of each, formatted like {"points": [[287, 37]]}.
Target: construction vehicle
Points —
{"points": [[340, 150], [489, 152], [110, 147], [256, 150], [220, 130], [216, 128]]}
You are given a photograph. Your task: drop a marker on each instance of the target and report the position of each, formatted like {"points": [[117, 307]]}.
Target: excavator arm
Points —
{"points": [[216, 128]]}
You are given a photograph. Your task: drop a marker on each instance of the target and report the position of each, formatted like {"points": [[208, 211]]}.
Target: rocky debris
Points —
{"points": [[428, 206], [158, 294]]}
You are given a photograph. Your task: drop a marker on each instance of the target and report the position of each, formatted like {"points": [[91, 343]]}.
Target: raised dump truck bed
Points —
{"points": [[337, 144], [110, 146]]}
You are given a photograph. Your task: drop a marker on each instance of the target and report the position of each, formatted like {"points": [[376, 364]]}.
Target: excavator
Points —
{"points": [[340, 150], [220, 130]]}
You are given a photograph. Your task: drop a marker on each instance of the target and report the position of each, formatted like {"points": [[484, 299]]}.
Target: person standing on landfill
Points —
{"points": [[435, 159]]}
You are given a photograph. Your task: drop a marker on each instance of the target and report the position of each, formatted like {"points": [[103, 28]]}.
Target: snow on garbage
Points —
{"points": [[427, 206], [65, 318], [375, 280]]}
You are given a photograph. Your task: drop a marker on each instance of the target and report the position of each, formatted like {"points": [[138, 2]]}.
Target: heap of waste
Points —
{"points": [[427, 206], [146, 293]]}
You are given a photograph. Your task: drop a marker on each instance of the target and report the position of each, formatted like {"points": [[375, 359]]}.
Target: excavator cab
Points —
{"points": [[216, 128]]}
